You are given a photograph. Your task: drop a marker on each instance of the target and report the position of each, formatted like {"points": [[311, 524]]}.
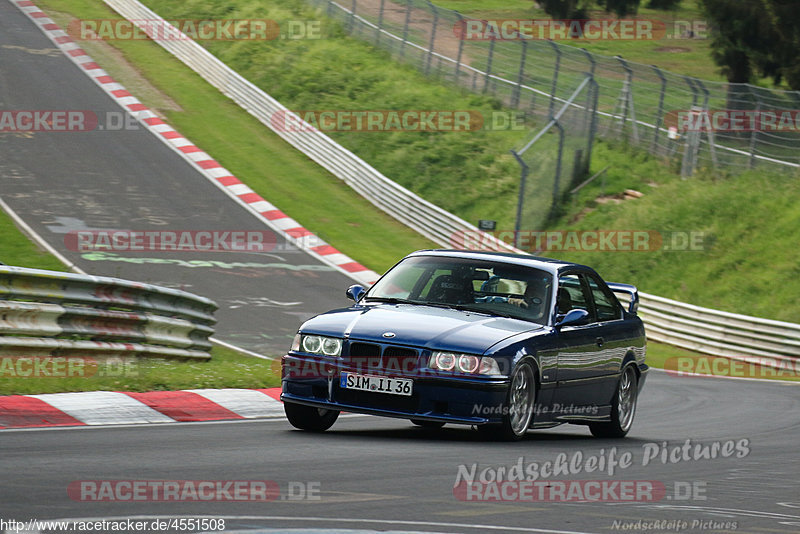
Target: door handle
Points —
{"points": [[600, 341]]}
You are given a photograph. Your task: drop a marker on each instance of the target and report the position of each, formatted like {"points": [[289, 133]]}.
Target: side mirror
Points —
{"points": [[355, 292], [574, 317]]}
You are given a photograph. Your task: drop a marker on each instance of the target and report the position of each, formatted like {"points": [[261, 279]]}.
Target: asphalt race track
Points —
{"points": [[385, 474], [366, 473], [129, 180]]}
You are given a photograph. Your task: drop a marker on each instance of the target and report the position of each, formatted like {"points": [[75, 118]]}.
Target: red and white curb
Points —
{"points": [[94, 408], [268, 213]]}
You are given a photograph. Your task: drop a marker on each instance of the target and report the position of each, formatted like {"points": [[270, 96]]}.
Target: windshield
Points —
{"points": [[482, 286]]}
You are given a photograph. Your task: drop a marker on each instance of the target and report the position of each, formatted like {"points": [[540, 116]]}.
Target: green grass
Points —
{"points": [[226, 369], [689, 57], [747, 261], [675, 360], [18, 250]]}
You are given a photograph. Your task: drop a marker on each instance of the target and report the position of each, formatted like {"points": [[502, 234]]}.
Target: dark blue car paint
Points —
{"points": [[578, 367]]}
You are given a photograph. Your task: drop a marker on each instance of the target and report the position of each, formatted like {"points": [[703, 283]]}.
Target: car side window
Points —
{"points": [[571, 294], [605, 304]]}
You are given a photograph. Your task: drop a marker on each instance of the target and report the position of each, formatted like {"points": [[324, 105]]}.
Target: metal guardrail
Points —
{"points": [[47, 313], [700, 329], [765, 342], [415, 212]]}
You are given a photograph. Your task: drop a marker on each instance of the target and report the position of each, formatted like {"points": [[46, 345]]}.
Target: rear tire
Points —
{"points": [[309, 418], [623, 407], [518, 409]]}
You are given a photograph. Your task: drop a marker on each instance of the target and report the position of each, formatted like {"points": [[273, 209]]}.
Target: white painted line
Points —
{"points": [[103, 408], [245, 402]]}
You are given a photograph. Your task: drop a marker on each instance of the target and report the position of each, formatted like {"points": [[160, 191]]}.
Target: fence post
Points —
{"points": [[592, 61], [691, 145], [405, 28], [489, 60], [660, 112], [710, 132], [557, 124], [594, 89], [521, 199], [520, 75], [380, 23], [460, 44], [556, 70], [433, 36], [694, 90], [329, 8], [754, 138], [351, 19], [627, 99]]}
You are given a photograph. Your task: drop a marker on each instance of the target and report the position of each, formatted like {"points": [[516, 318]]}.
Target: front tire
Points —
{"points": [[622, 409], [309, 418], [518, 409]]}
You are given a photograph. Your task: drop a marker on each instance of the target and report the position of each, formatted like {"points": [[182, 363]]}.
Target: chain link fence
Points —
{"points": [[686, 121], [552, 163]]}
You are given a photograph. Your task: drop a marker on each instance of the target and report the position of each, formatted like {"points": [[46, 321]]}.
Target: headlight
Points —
{"points": [[468, 364], [331, 346], [463, 363], [328, 346], [444, 361]]}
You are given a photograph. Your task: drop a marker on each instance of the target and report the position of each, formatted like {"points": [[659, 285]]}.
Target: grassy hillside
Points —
{"points": [[747, 221], [673, 51], [745, 226]]}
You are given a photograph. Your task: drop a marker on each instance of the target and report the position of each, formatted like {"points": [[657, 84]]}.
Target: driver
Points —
{"points": [[534, 297]]}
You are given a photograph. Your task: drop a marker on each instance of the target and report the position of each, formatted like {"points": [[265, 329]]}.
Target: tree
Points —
{"points": [[563, 9], [620, 8], [576, 9], [784, 15], [752, 37], [665, 5]]}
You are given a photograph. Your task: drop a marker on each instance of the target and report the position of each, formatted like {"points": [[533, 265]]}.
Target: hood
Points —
{"points": [[419, 326]]}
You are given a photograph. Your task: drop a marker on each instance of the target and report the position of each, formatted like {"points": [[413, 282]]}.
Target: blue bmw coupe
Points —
{"points": [[503, 342]]}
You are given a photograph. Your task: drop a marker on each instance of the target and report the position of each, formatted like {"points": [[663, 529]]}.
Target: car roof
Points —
{"points": [[545, 264]]}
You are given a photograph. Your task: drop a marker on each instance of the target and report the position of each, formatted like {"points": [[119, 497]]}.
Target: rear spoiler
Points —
{"points": [[631, 295]]}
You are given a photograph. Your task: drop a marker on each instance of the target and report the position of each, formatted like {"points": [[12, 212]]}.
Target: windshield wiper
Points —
{"points": [[392, 300], [467, 307]]}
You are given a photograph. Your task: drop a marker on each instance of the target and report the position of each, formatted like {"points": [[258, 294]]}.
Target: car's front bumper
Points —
{"points": [[449, 399]]}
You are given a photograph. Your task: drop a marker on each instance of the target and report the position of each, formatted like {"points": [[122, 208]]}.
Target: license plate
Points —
{"points": [[377, 384]]}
